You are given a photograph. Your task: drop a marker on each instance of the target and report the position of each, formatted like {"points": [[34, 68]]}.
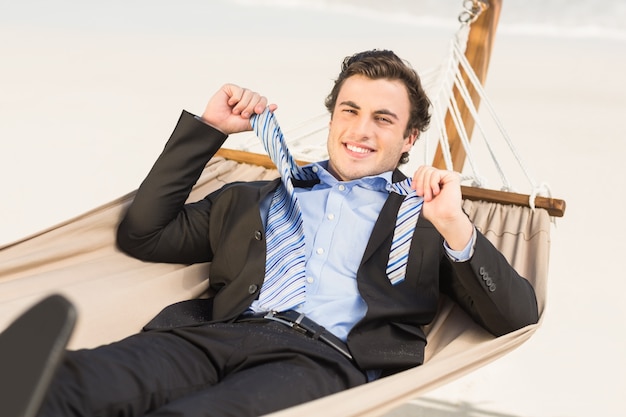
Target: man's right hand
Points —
{"points": [[230, 108]]}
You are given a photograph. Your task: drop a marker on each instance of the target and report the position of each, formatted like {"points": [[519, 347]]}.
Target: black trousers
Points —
{"points": [[224, 369]]}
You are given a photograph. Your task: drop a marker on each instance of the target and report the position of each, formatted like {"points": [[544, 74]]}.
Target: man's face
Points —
{"points": [[366, 135]]}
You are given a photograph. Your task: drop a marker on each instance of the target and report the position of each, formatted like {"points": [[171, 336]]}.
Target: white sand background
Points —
{"points": [[90, 93]]}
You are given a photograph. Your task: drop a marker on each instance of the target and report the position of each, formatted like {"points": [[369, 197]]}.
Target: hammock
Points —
{"points": [[79, 260]]}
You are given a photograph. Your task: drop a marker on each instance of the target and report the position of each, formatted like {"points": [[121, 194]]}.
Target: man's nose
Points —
{"points": [[361, 128]]}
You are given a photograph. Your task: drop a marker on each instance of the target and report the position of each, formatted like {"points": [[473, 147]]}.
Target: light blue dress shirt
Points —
{"points": [[338, 218]]}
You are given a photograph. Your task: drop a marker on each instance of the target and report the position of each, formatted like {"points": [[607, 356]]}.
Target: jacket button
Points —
{"points": [[258, 235], [492, 287], [252, 288]]}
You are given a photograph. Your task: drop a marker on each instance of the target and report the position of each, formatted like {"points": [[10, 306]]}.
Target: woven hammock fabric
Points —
{"points": [[79, 260]]}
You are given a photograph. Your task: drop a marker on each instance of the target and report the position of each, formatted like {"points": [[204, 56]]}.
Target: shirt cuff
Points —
{"points": [[200, 119], [462, 255]]}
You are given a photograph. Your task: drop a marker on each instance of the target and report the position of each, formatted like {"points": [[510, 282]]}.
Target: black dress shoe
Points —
{"points": [[30, 350]]}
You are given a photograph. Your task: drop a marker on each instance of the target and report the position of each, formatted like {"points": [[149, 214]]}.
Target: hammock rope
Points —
{"points": [[308, 139]]}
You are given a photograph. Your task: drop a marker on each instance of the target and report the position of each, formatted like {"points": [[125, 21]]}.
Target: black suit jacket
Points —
{"points": [[225, 228]]}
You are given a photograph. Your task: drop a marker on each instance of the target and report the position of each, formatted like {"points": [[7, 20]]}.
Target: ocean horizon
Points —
{"points": [[558, 18], [547, 18]]}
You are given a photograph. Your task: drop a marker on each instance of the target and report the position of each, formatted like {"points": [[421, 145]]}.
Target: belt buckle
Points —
{"points": [[296, 325], [272, 315]]}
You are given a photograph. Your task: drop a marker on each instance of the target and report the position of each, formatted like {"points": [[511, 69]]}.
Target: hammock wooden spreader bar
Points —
{"points": [[554, 207], [478, 53], [482, 17]]}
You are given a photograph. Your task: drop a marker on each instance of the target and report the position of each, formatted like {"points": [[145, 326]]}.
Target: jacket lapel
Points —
{"points": [[386, 222]]}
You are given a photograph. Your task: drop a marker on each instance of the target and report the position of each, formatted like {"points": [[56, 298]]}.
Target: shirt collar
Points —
{"points": [[381, 182]]}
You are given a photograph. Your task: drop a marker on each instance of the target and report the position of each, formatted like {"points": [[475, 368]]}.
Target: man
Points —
{"points": [[227, 355]]}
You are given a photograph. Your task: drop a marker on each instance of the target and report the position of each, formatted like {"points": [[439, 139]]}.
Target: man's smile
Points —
{"points": [[358, 149]]}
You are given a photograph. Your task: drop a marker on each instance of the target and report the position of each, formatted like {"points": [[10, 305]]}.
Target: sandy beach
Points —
{"points": [[88, 99], [565, 102]]}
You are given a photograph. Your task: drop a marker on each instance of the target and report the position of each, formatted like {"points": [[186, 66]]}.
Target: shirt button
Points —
{"points": [[258, 235], [331, 216], [319, 251], [252, 288], [310, 280], [315, 169], [342, 187]]}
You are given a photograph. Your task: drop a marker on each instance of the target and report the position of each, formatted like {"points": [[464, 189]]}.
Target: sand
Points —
{"points": [[86, 106]]}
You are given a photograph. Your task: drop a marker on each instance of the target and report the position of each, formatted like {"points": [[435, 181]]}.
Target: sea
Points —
{"points": [[557, 18]]}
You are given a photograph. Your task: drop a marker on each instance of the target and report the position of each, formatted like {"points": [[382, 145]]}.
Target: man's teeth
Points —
{"points": [[357, 149]]}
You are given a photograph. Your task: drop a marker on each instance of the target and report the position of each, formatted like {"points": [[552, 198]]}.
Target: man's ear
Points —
{"points": [[414, 136], [411, 139]]}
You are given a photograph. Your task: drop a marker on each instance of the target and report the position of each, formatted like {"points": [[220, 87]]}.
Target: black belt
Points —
{"points": [[302, 324]]}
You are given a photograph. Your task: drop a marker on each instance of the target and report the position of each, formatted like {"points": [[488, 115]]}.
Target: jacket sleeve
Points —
{"points": [[490, 290], [158, 225]]}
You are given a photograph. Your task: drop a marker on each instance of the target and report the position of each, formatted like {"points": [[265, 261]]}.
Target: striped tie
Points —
{"points": [[403, 233], [284, 285]]}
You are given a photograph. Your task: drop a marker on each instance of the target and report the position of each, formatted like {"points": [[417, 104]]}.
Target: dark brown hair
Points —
{"points": [[384, 64]]}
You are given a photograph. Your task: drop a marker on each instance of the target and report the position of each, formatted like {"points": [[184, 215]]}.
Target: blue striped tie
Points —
{"points": [[284, 285], [403, 234]]}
